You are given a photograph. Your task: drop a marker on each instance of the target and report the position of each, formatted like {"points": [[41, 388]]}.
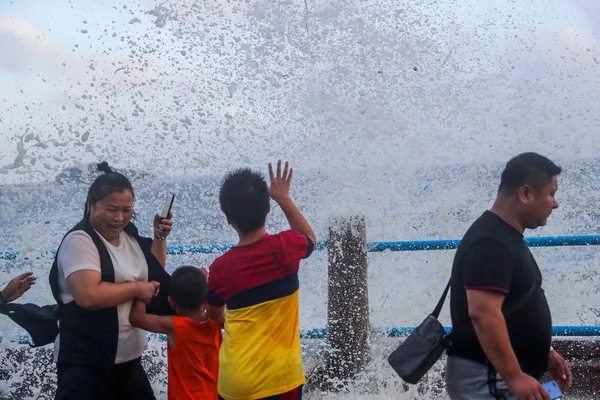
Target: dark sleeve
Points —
{"points": [[296, 245], [487, 265], [214, 300], [311, 246], [159, 305], [40, 322], [156, 272]]}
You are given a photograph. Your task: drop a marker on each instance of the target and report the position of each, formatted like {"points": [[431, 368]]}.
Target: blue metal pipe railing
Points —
{"points": [[321, 333], [414, 245], [544, 241], [566, 331]]}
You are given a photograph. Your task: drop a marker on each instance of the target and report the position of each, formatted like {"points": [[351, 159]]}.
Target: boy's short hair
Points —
{"points": [[528, 169], [244, 199], [188, 287]]}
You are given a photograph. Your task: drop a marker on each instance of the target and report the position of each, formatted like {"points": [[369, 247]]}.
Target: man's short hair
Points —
{"points": [[188, 287], [244, 199], [527, 169]]}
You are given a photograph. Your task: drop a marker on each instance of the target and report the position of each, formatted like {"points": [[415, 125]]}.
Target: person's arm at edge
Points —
{"points": [[149, 322], [16, 287]]}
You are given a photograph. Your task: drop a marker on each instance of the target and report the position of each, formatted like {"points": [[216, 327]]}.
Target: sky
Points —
{"points": [[183, 87]]}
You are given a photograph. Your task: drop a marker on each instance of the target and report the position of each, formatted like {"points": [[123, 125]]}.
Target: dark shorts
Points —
{"points": [[125, 381], [294, 394]]}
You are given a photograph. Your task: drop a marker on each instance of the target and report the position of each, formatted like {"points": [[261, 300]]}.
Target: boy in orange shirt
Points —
{"points": [[193, 339]]}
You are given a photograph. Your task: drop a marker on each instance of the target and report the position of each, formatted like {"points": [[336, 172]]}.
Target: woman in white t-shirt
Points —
{"points": [[101, 266]]}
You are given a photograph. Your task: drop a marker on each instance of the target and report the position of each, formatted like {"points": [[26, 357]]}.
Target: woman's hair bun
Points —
{"points": [[103, 167]]}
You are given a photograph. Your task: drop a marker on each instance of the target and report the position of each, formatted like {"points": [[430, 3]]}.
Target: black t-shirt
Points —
{"points": [[494, 256]]}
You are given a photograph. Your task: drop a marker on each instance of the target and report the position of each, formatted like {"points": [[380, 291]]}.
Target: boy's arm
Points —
{"points": [[216, 313], [149, 322], [279, 191], [215, 305]]}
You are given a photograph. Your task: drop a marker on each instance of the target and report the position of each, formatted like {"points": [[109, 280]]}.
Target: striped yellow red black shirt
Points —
{"points": [[258, 283]]}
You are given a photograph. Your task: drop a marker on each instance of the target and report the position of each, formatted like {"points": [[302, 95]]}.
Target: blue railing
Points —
{"points": [[374, 247], [416, 245], [321, 333], [405, 331]]}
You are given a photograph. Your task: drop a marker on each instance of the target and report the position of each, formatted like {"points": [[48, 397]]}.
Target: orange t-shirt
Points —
{"points": [[194, 362]]}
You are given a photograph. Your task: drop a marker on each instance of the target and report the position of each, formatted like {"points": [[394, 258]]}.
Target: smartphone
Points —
{"points": [[552, 389], [168, 205]]}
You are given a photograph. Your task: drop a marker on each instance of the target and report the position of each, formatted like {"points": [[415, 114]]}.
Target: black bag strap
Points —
{"points": [[442, 300]]}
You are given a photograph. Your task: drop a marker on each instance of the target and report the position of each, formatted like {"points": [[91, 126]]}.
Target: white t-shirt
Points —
{"points": [[78, 252]]}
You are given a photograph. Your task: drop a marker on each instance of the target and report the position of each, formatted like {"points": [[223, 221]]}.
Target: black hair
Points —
{"points": [[529, 169], [244, 199], [106, 184], [188, 287]]}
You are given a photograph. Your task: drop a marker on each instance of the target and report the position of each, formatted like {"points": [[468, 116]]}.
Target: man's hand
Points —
{"points": [[525, 387], [559, 370], [280, 184], [18, 286]]}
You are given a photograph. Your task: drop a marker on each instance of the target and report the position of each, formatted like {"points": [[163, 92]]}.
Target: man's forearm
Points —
{"points": [[493, 336]]}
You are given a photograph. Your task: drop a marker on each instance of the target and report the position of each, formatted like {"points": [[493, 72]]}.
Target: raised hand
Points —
{"points": [[162, 227], [18, 286], [280, 183]]}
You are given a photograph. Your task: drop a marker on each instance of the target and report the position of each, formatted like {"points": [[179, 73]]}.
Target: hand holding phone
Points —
{"points": [[553, 390], [162, 223], [167, 207]]}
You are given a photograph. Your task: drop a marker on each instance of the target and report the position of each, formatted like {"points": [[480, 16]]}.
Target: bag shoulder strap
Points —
{"points": [[442, 300]]}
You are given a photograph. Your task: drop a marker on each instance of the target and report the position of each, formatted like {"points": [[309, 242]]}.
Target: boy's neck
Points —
{"points": [[252, 237]]}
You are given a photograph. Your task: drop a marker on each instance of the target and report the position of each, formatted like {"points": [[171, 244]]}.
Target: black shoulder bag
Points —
{"points": [[426, 344], [423, 347]]}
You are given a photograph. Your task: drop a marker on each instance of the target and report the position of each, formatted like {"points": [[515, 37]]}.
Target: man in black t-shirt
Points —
{"points": [[501, 340]]}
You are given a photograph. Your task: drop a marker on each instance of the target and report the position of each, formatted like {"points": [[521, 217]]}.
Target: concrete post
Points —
{"points": [[348, 322]]}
